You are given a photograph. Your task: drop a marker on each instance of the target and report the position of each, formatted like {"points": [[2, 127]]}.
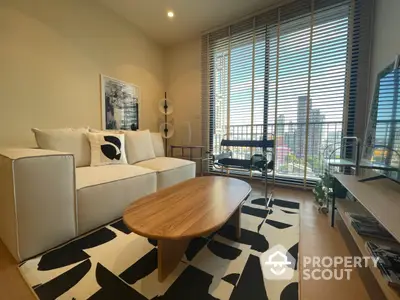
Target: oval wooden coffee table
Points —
{"points": [[193, 208]]}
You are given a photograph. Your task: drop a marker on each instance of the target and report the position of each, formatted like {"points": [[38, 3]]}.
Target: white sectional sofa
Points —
{"points": [[46, 200]]}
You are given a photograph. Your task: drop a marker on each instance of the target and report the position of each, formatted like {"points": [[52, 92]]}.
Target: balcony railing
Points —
{"points": [[294, 142]]}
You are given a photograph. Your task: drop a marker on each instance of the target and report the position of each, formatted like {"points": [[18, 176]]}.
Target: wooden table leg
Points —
{"points": [[169, 254], [236, 220]]}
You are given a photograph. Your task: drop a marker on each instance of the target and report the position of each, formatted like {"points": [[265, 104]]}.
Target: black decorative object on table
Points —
{"points": [[134, 127]]}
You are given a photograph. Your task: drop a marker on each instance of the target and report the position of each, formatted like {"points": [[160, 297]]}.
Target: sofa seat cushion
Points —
{"points": [[104, 192], [170, 170]]}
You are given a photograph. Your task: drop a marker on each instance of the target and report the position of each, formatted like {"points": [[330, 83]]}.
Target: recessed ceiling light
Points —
{"points": [[170, 14]]}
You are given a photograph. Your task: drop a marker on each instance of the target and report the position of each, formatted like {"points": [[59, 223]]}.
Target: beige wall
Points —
{"points": [[183, 80], [51, 55]]}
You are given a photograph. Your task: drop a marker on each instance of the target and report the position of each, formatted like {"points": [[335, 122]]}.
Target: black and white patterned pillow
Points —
{"points": [[107, 149]]}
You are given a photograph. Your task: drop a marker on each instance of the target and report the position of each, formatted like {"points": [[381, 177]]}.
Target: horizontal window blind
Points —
{"points": [[383, 143], [290, 74]]}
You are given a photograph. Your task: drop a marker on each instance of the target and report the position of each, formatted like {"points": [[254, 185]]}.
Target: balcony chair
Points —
{"points": [[262, 162]]}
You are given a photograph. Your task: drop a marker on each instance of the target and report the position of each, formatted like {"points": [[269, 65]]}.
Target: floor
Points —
{"points": [[317, 238]]}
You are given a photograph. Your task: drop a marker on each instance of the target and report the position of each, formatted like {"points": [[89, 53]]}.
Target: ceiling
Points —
{"points": [[191, 16]]}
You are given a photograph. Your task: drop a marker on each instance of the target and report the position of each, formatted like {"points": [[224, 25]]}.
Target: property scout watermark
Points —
{"points": [[278, 264]]}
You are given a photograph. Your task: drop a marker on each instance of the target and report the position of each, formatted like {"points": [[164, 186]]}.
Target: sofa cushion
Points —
{"points": [[107, 149], [139, 146], [158, 144], [170, 170], [104, 192], [69, 140]]}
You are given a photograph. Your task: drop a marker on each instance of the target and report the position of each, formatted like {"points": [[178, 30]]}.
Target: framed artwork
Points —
{"points": [[119, 104]]}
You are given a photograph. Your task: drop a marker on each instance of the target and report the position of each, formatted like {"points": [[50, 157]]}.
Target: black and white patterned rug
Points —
{"points": [[114, 263]]}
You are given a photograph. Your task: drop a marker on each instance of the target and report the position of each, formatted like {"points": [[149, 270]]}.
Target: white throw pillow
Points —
{"points": [[139, 146], [65, 140], [158, 144], [107, 149]]}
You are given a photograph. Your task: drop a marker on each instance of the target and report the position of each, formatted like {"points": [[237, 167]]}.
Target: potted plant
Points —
{"points": [[323, 191]]}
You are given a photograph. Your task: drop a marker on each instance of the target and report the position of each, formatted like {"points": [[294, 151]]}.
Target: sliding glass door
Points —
{"points": [[284, 75]]}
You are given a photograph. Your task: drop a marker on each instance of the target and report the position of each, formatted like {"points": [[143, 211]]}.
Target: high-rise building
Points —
{"points": [[302, 109], [280, 126], [315, 128], [290, 140], [301, 126]]}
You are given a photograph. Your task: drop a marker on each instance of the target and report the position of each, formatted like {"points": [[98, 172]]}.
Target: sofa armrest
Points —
{"points": [[37, 200]]}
